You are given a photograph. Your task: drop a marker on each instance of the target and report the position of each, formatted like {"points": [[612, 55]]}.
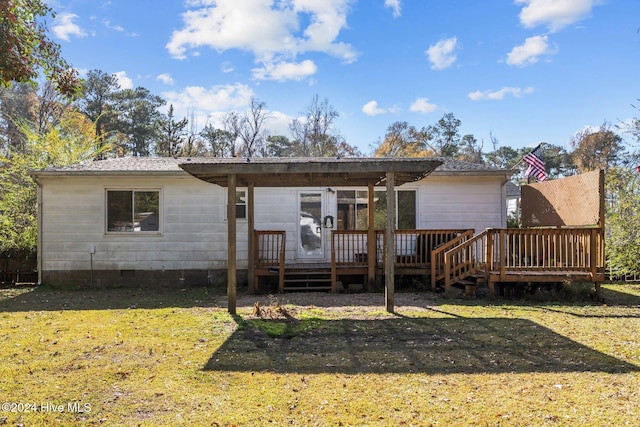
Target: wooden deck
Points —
{"points": [[537, 255], [448, 257]]}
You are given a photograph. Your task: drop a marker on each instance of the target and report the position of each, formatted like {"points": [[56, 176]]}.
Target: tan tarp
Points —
{"points": [[572, 201]]}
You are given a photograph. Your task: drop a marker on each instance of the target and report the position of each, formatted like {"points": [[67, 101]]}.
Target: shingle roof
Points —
{"points": [[451, 166], [123, 164], [170, 165]]}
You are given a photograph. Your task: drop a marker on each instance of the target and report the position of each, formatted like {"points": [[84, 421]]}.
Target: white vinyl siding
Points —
{"points": [[193, 227]]}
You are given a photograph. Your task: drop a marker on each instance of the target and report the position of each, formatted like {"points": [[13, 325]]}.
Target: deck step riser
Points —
{"points": [[307, 279]]}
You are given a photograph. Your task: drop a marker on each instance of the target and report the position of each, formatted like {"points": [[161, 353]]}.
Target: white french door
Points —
{"points": [[310, 233]]}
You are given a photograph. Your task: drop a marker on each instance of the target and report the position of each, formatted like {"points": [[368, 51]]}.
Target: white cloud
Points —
{"points": [[441, 55], [529, 52], [165, 78], [235, 24], [64, 27], [395, 6], [499, 94], [371, 109], [285, 71], [111, 26], [274, 31], [124, 81], [215, 99], [278, 123], [422, 105], [227, 67], [555, 14]]}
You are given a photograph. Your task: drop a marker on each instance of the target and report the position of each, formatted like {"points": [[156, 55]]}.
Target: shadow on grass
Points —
{"points": [[48, 299], [406, 345]]}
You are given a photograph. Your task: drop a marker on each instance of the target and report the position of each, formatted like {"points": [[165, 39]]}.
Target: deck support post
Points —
{"points": [[251, 240], [390, 253], [231, 243], [372, 256]]}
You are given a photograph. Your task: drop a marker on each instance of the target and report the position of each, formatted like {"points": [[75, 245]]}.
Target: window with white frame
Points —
{"points": [[133, 211], [241, 204]]}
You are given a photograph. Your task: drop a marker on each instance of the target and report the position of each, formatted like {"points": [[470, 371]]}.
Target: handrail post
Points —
{"points": [[281, 260], [490, 254], [501, 254], [372, 255], [593, 255]]}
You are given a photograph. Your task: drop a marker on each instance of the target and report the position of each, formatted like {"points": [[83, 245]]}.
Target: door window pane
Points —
{"points": [[353, 210], [406, 210], [310, 224], [241, 204]]}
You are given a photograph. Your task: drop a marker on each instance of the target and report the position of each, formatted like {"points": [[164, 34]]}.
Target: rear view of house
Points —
{"points": [[149, 221]]}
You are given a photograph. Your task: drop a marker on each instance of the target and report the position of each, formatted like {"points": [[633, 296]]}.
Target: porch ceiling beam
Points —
{"points": [[314, 172]]}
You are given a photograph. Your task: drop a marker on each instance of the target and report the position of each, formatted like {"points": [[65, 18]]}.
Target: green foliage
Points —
{"points": [[598, 149], [623, 221], [71, 141], [135, 120], [173, 134], [441, 139], [444, 136], [402, 140], [97, 91], [219, 142], [25, 49], [514, 221]]}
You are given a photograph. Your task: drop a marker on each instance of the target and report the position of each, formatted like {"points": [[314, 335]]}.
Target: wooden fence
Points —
{"points": [[18, 268]]}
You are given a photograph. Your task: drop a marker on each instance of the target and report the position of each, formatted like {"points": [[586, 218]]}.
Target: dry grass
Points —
{"points": [[171, 357]]}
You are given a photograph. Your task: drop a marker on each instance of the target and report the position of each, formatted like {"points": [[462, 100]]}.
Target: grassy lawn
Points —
{"points": [[171, 357]]}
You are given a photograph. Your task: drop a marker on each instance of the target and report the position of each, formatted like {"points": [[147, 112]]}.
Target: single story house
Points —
{"points": [[157, 221]]}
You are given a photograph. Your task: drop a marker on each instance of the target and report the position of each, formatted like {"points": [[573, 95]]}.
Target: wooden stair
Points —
{"points": [[471, 283], [307, 279]]}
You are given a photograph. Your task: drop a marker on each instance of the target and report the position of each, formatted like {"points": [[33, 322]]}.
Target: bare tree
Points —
{"points": [[314, 135], [51, 106], [247, 128], [252, 134]]}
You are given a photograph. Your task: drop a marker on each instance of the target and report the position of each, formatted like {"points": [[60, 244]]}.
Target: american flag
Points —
{"points": [[536, 165]]}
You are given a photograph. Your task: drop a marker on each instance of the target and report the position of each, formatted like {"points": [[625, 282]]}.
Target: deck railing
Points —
{"points": [[269, 247], [551, 248], [467, 258], [500, 251], [269, 255], [349, 247], [438, 258], [413, 247]]}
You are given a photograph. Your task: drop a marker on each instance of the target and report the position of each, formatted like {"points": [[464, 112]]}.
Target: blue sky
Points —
{"points": [[523, 70]]}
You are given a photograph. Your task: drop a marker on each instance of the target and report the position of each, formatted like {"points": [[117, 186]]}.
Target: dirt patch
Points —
{"points": [[371, 305]]}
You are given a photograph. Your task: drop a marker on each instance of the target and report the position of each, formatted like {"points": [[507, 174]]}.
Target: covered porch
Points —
{"points": [[310, 172]]}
